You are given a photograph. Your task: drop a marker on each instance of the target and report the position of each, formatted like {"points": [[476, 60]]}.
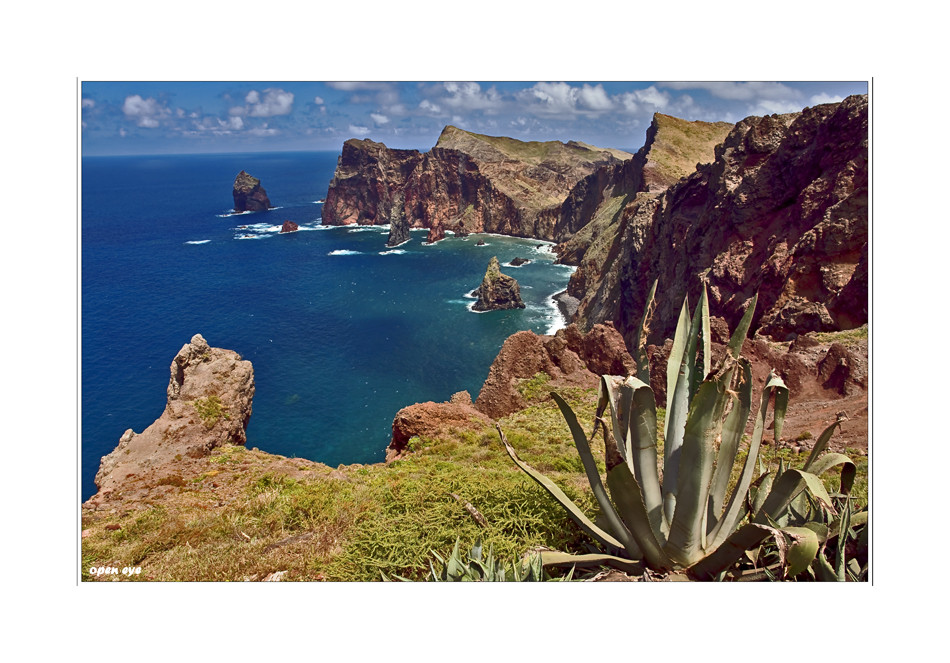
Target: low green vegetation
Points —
{"points": [[211, 410]]}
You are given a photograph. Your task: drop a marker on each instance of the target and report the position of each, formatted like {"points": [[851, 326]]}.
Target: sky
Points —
{"points": [[157, 117]]}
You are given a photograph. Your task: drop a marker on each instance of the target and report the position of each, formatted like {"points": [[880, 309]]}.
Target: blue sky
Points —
{"points": [[183, 117]]}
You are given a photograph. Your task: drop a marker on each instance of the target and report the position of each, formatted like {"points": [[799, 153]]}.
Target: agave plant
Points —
{"points": [[476, 569], [683, 519]]}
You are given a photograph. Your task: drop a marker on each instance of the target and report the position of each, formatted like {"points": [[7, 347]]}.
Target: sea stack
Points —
{"points": [[249, 195], [289, 227], [398, 225], [498, 291]]}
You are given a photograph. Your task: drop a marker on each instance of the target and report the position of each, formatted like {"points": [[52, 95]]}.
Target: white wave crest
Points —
{"points": [[394, 252], [343, 252], [198, 241]]}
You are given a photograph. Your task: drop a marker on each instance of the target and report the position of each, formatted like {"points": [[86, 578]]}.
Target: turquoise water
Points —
{"points": [[342, 331]]}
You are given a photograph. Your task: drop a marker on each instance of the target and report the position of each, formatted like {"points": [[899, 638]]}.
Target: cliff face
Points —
{"points": [[782, 211], [209, 404], [466, 183]]}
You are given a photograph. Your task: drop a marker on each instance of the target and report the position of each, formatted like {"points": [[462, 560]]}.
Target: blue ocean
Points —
{"points": [[341, 330]]}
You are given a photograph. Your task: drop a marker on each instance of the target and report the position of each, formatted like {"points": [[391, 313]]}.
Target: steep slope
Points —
{"points": [[782, 211], [466, 183]]}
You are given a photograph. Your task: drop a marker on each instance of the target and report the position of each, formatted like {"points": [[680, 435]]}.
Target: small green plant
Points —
{"points": [[684, 522], [805, 435], [211, 410], [475, 569], [533, 387]]}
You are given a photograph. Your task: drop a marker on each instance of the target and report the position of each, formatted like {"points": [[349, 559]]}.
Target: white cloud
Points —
{"points": [[740, 91], [429, 107], [824, 98], [361, 131], [564, 100], [469, 97], [273, 101], [263, 130], [88, 103], [318, 101], [379, 119], [147, 113]]}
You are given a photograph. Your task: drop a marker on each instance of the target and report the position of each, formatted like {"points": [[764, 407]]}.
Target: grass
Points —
{"points": [[847, 336], [247, 514]]}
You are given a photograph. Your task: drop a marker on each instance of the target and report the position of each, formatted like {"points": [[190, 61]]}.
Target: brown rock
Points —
{"points": [[498, 291], [467, 183], [431, 420], [209, 404], [569, 358], [249, 195], [841, 370], [289, 227]]}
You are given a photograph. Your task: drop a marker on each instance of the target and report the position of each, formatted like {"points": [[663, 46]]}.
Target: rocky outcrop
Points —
{"points": [[398, 226], [466, 183], [209, 404], [433, 419], [289, 227], [782, 211], [498, 291], [249, 195], [569, 358]]}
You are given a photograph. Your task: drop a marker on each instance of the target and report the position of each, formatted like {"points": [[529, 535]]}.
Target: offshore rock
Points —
{"points": [[289, 227], [398, 226], [498, 291], [249, 195], [209, 404]]}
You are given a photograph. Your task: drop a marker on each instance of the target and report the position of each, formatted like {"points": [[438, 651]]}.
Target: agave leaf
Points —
{"points": [[730, 518], [643, 454], [840, 561], [820, 445], [803, 547], [643, 362], [572, 509], [742, 329], [856, 520], [848, 469], [823, 569], [686, 542], [556, 558], [677, 412], [745, 538], [626, 493], [703, 362], [593, 477], [674, 362], [732, 429], [786, 488]]}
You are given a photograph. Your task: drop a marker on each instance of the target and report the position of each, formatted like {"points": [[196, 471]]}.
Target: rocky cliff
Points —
{"points": [[498, 291], [209, 404], [782, 211], [466, 183], [249, 195]]}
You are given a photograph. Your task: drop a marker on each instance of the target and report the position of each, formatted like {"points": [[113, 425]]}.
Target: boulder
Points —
{"points": [[249, 195], [289, 227], [498, 291]]}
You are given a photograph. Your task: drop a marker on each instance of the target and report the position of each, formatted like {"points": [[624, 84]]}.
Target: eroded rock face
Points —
{"points": [[498, 291], [289, 227], [569, 358], [249, 195], [782, 211], [398, 226], [467, 183], [209, 404]]}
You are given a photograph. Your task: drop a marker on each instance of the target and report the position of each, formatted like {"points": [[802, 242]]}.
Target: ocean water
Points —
{"points": [[342, 331]]}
